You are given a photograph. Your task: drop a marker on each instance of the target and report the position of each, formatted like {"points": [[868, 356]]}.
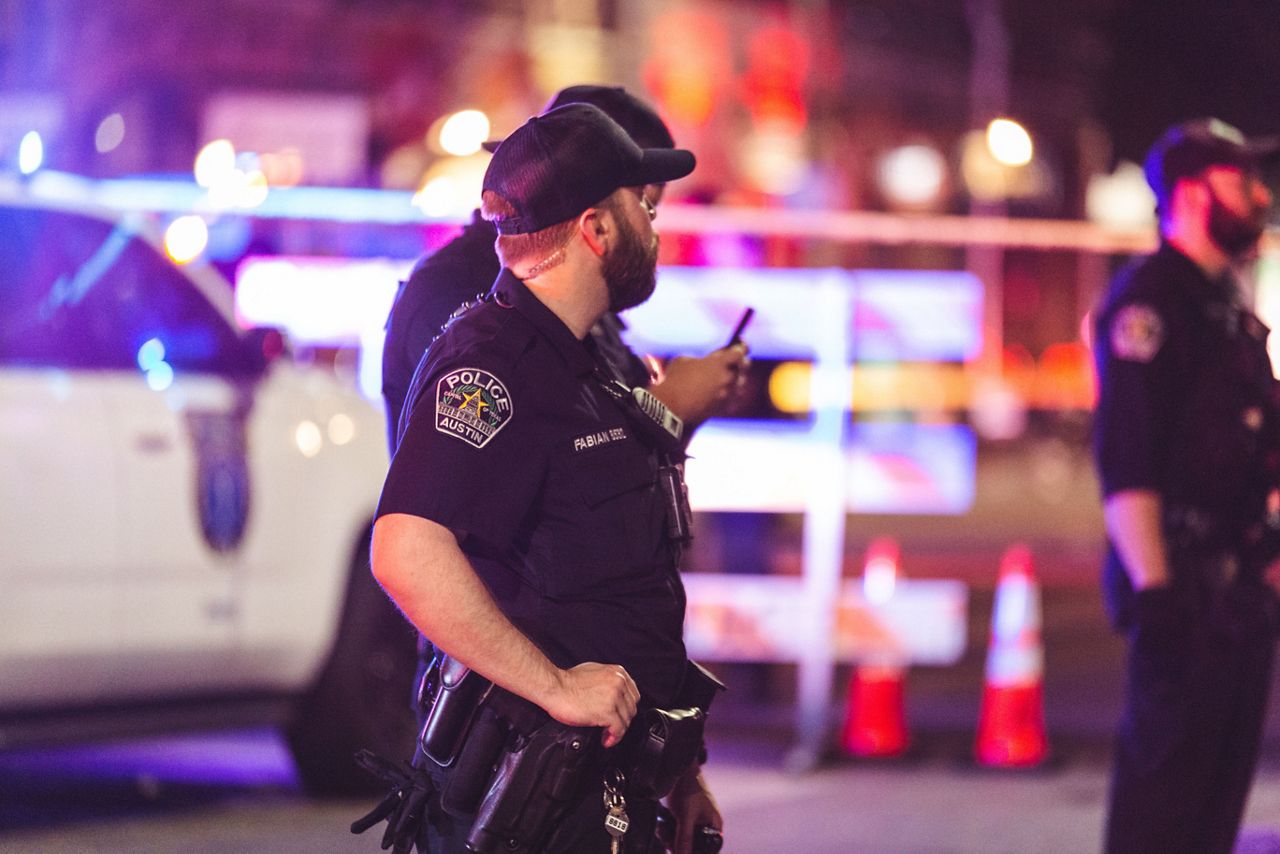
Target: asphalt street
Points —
{"points": [[238, 792]]}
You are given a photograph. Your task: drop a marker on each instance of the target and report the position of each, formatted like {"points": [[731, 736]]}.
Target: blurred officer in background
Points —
{"points": [[694, 388], [1187, 435], [529, 529]]}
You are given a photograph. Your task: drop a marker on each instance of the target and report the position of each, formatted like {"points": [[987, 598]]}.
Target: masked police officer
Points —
{"points": [[1186, 441], [522, 527]]}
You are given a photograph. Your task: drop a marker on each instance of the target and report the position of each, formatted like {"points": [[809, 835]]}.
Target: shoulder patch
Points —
{"points": [[472, 405], [1136, 333]]}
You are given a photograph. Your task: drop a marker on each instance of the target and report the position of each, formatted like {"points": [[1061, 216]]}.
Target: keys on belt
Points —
{"points": [[616, 821]]}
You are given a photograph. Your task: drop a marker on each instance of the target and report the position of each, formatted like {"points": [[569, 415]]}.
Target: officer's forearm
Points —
{"points": [[420, 566], [1133, 524]]}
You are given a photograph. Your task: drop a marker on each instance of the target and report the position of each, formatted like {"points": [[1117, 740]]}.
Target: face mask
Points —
{"points": [[631, 269], [1232, 233]]}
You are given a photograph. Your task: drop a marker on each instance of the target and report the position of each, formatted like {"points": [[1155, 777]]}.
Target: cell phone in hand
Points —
{"points": [[747, 314]]}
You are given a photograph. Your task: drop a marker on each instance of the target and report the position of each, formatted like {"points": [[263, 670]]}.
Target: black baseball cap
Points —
{"points": [[1187, 149], [558, 164], [638, 119]]}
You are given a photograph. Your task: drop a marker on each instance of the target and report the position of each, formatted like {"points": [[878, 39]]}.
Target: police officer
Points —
{"points": [[1186, 444], [695, 388], [521, 528]]}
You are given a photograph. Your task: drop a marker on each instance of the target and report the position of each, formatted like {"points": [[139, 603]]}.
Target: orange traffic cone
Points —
{"points": [[875, 721], [1011, 731]]}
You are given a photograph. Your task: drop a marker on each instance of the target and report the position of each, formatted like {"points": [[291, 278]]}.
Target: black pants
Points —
{"points": [[1188, 740]]}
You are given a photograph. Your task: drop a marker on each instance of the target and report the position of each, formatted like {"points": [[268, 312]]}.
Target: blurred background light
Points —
{"points": [[110, 133], [215, 164], [912, 175], [880, 577], [438, 196], [283, 168], [308, 438], [150, 354], [253, 189], [185, 238], [989, 179], [1122, 200], [1267, 282], [30, 153], [773, 158], [452, 186], [462, 132], [1009, 142], [789, 387], [999, 412], [341, 429], [160, 376]]}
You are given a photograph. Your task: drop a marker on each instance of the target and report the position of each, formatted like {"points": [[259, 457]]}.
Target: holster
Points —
{"points": [[457, 701], [470, 723], [661, 745], [538, 780]]}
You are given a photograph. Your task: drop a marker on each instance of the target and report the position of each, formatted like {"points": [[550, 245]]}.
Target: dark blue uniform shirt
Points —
{"points": [[462, 270], [1186, 406], [511, 438]]}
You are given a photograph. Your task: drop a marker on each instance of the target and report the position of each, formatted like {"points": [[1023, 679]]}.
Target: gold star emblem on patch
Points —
{"points": [[474, 398]]}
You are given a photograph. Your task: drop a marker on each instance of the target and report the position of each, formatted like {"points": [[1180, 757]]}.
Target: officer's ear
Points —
{"points": [[596, 228], [1188, 195]]}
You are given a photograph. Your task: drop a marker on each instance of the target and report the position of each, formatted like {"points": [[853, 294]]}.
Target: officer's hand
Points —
{"points": [[594, 694], [698, 388], [693, 806]]}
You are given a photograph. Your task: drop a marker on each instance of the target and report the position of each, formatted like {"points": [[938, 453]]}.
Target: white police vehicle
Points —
{"points": [[185, 520]]}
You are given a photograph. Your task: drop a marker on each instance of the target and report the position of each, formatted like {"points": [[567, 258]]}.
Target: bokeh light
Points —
{"points": [[308, 438], [110, 133], [341, 429], [215, 164], [30, 153], [1009, 142], [912, 175], [880, 575], [253, 189], [160, 376], [789, 387], [185, 238], [774, 159], [452, 186], [150, 354], [1122, 200], [462, 132]]}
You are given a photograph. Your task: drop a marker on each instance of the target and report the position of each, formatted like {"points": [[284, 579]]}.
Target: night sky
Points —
{"points": [[1179, 59]]}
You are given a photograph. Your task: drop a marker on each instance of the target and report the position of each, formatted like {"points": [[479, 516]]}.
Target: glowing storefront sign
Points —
{"points": [[895, 315], [768, 466]]}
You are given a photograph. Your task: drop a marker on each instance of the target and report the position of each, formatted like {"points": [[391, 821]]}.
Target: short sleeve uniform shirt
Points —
{"points": [[1185, 394], [511, 439]]}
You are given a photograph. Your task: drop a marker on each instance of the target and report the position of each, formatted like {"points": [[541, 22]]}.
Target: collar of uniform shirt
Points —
{"points": [[508, 291]]}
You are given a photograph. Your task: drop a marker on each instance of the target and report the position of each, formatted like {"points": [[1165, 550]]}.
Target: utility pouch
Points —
{"points": [[536, 783], [465, 782], [675, 496], [457, 703], [660, 747]]}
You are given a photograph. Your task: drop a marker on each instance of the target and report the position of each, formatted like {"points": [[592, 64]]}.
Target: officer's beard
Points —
{"points": [[1232, 233], [630, 269]]}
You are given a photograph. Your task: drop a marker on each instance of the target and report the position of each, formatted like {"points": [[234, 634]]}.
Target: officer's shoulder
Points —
{"points": [[1146, 282], [487, 331]]}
